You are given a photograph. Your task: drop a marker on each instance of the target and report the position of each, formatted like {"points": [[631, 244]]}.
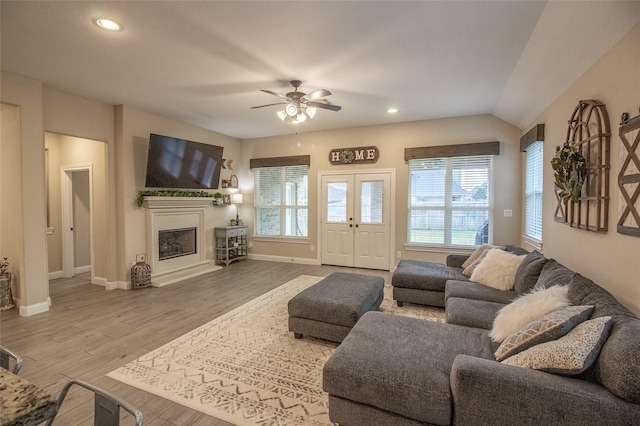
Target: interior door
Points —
{"points": [[355, 221]]}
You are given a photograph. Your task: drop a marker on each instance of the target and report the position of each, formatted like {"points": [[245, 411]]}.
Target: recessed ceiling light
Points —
{"points": [[108, 24], [392, 110]]}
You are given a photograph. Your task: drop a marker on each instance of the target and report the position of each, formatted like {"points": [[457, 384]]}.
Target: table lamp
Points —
{"points": [[237, 200]]}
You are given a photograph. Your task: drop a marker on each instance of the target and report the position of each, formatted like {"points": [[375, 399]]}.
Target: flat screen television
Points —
{"points": [[174, 163]]}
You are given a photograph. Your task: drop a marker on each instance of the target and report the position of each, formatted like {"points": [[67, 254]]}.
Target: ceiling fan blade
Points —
{"points": [[316, 95], [275, 94], [268, 105], [322, 105]]}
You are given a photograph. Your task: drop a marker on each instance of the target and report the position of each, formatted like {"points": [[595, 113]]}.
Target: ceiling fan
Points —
{"points": [[299, 105]]}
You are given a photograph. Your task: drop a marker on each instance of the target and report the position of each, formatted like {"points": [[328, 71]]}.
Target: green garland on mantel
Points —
{"points": [[169, 193]]}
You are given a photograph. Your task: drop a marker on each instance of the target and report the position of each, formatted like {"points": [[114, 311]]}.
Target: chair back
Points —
{"points": [[106, 405], [6, 355]]}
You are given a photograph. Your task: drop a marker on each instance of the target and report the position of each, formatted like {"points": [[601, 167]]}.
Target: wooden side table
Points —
{"points": [[231, 244]]}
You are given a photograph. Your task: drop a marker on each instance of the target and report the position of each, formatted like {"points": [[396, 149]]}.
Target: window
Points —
{"points": [[533, 192], [281, 201], [450, 200]]}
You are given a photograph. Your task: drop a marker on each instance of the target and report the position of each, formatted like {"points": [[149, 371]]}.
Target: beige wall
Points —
{"points": [[611, 259], [69, 151], [391, 141], [31, 266], [11, 199], [132, 133]]}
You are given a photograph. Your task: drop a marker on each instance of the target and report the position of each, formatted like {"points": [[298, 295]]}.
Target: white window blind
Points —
{"points": [[450, 201], [281, 201], [533, 191]]}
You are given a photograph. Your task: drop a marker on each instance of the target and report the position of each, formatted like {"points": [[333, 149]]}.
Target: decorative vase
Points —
{"points": [[6, 297]]}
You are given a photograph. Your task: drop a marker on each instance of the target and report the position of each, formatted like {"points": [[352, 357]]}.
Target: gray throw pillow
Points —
{"points": [[478, 254], [528, 272], [619, 361], [569, 355], [550, 327]]}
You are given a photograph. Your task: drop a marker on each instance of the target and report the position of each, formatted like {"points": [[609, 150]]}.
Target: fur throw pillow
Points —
{"points": [[527, 308], [497, 269]]}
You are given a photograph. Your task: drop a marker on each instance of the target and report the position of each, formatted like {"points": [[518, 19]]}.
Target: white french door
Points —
{"points": [[356, 220]]}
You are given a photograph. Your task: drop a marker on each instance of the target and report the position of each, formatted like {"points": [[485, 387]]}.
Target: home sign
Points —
{"points": [[364, 154]]}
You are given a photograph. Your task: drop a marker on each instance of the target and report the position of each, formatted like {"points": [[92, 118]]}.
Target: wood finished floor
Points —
{"points": [[90, 331]]}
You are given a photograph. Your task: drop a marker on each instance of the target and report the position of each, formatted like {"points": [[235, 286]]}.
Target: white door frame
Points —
{"points": [[392, 201], [66, 190]]}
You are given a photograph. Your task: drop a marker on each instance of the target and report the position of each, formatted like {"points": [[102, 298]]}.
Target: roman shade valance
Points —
{"points": [[461, 150], [294, 160], [536, 134]]}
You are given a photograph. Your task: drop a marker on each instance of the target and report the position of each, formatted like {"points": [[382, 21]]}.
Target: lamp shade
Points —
{"points": [[236, 198]]}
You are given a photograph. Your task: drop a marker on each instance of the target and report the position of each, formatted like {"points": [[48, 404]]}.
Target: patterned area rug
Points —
{"points": [[245, 367]]}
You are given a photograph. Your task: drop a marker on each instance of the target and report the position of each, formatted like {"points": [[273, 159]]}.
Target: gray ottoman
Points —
{"points": [[330, 308]]}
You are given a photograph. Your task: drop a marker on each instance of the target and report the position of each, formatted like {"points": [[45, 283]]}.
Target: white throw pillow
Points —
{"points": [[527, 308], [498, 269]]}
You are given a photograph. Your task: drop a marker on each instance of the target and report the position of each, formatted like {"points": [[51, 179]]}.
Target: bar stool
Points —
{"points": [[107, 405], [5, 360]]}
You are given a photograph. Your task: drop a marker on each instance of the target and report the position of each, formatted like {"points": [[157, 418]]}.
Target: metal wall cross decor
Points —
{"points": [[629, 176]]}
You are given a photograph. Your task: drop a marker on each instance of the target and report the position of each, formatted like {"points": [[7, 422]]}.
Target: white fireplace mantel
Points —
{"points": [[176, 202], [168, 213]]}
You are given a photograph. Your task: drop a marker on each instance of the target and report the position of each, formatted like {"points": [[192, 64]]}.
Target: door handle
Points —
{"points": [[357, 225], [351, 225]]}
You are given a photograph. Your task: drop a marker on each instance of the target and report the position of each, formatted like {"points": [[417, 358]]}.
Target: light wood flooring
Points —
{"points": [[90, 331]]}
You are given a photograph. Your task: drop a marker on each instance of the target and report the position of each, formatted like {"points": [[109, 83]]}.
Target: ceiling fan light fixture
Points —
{"points": [[282, 114], [291, 109], [311, 111], [301, 118]]}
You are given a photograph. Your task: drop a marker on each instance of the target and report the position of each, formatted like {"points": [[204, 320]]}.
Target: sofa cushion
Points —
{"points": [[421, 275], [549, 327], [517, 250], [528, 272], [471, 313], [475, 291], [583, 291], [618, 366], [401, 365], [497, 269], [527, 308], [569, 355], [554, 273]]}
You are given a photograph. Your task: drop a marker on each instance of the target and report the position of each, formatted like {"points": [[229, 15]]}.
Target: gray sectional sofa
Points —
{"points": [[420, 282], [396, 370]]}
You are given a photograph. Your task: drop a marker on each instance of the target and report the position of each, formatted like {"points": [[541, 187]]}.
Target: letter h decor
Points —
{"points": [[589, 131]]}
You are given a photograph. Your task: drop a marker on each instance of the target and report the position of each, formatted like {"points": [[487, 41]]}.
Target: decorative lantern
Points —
{"points": [[140, 275], [6, 297]]}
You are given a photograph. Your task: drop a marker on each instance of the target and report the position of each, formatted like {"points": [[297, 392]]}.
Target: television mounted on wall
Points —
{"points": [[174, 163]]}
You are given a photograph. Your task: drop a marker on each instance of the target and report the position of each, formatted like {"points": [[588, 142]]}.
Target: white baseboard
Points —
{"points": [[283, 259], [109, 285], [37, 308], [82, 269], [55, 275]]}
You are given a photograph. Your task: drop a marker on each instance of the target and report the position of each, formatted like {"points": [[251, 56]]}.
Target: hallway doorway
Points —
{"points": [[77, 220]]}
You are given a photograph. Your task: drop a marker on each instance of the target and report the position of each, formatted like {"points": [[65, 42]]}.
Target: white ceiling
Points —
{"points": [[204, 62]]}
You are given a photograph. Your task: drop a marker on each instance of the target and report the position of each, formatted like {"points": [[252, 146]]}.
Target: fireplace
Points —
{"points": [[177, 238], [177, 242]]}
